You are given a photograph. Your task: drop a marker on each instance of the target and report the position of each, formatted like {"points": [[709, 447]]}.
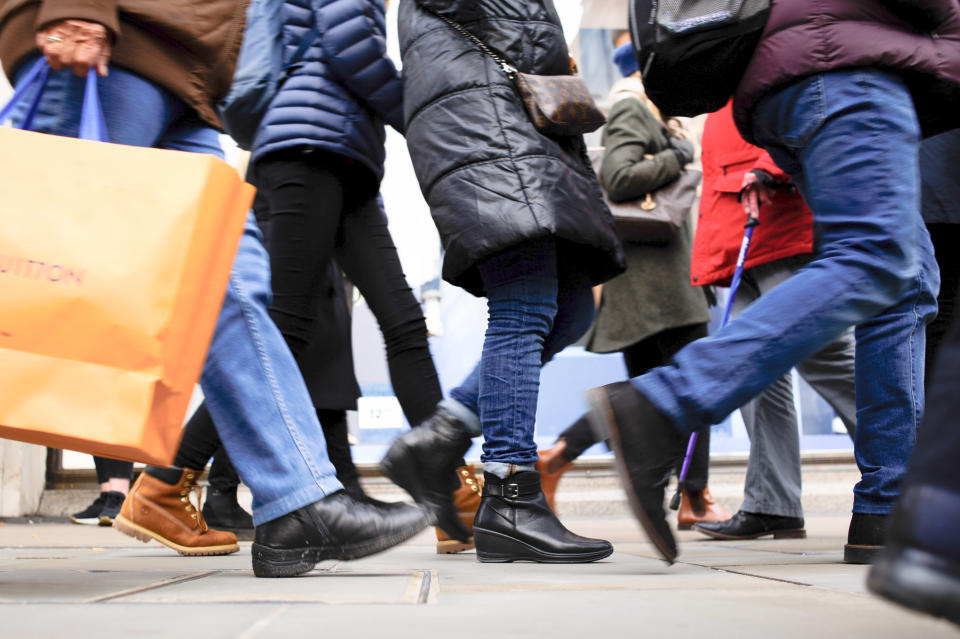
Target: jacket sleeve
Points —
{"points": [[356, 53], [102, 11], [766, 163], [628, 171]]}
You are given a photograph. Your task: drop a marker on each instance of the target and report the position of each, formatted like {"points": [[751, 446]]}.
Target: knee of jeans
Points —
{"points": [[883, 273], [523, 318]]}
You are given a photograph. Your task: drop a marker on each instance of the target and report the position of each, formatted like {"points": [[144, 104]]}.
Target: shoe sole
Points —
{"points": [[787, 533], [914, 579], [497, 548], [452, 546], [85, 521], [292, 562], [857, 554], [106, 520], [601, 414], [127, 527]]}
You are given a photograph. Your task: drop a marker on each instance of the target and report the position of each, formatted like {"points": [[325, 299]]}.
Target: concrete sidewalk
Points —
{"points": [[60, 579]]}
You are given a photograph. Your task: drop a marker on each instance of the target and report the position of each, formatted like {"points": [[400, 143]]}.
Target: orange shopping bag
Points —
{"points": [[114, 262]]}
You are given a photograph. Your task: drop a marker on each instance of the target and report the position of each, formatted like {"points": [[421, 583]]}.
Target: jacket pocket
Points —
{"points": [[733, 166]]}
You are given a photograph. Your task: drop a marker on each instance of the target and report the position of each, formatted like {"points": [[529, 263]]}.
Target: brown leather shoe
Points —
{"points": [[466, 500], [697, 507], [157, 510], [552, 458]]}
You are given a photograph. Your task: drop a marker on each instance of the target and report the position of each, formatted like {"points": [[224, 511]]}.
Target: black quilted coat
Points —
{"points": [[491, 179]]}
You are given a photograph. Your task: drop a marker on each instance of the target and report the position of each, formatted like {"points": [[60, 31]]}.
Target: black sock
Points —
{"points": [[166, 475]]}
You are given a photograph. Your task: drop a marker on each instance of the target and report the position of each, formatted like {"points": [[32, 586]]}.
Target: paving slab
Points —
{"points": [[59, 579]]}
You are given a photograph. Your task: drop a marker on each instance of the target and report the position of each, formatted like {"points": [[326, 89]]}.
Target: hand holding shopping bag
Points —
{"points": [[113, 265]]}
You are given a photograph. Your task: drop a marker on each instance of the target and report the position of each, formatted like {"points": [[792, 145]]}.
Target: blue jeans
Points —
{"points": [[536, 308], [850, 142], [251, 382]]}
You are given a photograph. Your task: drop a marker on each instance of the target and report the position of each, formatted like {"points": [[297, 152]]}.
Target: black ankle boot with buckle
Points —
{"points": [[515, 523]]}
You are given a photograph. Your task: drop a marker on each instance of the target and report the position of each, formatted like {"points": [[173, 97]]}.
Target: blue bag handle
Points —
{"points": [[93, 126], [35, 79], [92, 123]]}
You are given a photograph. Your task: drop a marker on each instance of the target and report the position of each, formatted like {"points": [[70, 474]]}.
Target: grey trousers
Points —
{"points": [[773, 471]]}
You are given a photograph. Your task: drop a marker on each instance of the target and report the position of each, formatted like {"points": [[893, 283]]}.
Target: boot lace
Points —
{"points": [[190, 487]]}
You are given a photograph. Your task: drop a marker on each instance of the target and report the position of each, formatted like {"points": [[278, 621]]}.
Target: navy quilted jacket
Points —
{"points": [[346, 88]]}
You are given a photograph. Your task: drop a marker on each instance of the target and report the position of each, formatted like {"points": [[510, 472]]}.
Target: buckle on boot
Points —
{"points": [[508, 491]]}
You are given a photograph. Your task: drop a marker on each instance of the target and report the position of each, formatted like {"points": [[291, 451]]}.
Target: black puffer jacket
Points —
{"points": [[491, 179]]}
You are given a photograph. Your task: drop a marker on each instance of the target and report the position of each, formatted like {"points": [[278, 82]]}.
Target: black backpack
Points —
{"points": [[693, 53]]}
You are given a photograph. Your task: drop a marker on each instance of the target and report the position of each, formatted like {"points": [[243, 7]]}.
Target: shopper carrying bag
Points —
{"points": [[112, 281]]}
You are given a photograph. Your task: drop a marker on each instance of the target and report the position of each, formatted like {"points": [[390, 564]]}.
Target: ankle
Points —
{"points": [[169, 475], [501, 470]]}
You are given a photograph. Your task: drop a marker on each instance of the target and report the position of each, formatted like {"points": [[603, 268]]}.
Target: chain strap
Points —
{"points": [[508, 69]]}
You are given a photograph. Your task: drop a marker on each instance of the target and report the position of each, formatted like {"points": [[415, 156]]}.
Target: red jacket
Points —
{"points": [[786, 224]]}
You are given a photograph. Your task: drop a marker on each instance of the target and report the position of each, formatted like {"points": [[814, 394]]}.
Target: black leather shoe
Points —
{"points": [[919, 567], [424, 461], [515, 523], [744, 525], [222, 512], [646, 447], [865, 538], [336, 527]]}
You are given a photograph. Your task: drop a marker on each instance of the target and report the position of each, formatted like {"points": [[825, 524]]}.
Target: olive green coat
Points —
{"points": [[655, 293]]}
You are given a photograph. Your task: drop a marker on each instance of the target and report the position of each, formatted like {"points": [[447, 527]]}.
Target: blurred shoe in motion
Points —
{"points": [[424, 461], [335, 527], [646, 448], [920, 565]]}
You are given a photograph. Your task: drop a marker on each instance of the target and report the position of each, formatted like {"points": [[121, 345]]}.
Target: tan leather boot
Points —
{"points": [[552, 458], [156, 510], [466, 500], [696, 507]]}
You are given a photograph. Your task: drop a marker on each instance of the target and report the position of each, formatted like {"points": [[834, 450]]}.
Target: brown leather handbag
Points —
{"points": [[657, 217], [557, 105]]}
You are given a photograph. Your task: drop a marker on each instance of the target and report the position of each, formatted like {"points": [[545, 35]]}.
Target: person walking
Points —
{"points": [[318, 156], [523, 223], [782, 243], [651, 311], [317, 160], [169, 72], [838, 96]]}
